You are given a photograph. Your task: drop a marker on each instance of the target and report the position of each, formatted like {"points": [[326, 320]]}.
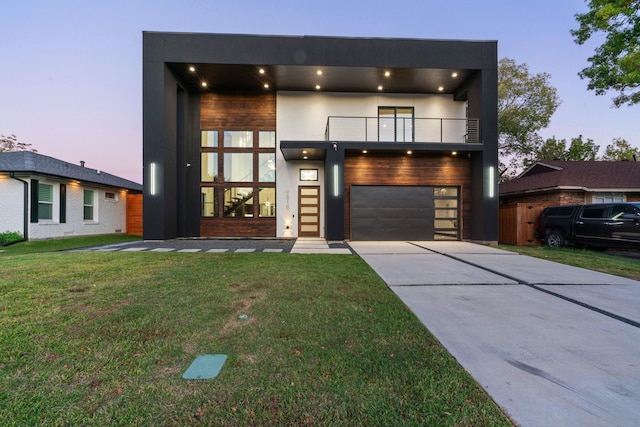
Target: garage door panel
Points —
{"points": [[392, 213]]}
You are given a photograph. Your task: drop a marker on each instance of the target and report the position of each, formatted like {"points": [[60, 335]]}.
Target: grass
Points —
{"points": [[63, 244], [89, 338], [592, 260]]}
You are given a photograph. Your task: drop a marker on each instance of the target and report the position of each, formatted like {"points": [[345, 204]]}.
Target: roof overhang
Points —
{"points": [[317, 150]]}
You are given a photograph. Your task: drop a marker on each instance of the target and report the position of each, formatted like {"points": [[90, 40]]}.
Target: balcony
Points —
{"points": [[421, 130]]}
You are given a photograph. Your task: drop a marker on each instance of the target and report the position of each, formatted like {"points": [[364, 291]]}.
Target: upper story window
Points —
{"points": [[238, 139], [45, 201], [395, 124], [209, 138]]}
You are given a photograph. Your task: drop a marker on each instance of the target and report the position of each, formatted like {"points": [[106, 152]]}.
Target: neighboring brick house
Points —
{"points": [[42, 197], [556, 182], [334, 137]]}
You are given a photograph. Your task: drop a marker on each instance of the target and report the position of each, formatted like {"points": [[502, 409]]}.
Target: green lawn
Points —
{"points": [[592, 260], [89, 338], [63, 244]]}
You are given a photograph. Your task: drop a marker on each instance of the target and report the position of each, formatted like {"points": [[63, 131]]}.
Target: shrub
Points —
{"points": [[9, 237]]}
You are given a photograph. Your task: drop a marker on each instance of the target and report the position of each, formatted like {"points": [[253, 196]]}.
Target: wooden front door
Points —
{"points": [[308, 211]]}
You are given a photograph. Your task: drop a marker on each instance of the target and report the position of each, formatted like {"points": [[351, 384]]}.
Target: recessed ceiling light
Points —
{"points": [[364, 151], [380, 87], [261, 70], [319, 72], [305, 158], [204, 84], [440, 88], [454, 153], [409, 152], [192, 69], [318, 87], [387, 73], [454, 75], [304, 151], [266, 85]]}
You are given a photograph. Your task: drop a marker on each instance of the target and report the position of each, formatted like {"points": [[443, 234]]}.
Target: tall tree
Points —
{"points": [[620, 149], [579, 149], [616, 63], [11, 143], [526, 103]]}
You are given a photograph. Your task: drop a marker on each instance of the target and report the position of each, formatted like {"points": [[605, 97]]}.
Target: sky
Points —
{"points": [[71, 71]]}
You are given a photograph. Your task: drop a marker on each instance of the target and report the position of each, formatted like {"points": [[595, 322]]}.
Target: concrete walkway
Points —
{"points": [[553, 345]]}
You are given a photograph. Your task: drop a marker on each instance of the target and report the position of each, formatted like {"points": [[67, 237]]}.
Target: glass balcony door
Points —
{"points": [[395, 124]]}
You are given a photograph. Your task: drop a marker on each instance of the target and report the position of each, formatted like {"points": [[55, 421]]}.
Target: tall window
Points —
{"points": [[395, 124], [237, 174], [45, 201], [88, 205], [445, 222]]}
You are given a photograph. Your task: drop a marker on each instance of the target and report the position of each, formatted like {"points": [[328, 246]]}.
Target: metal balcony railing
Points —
{"points": [[377, 129]]}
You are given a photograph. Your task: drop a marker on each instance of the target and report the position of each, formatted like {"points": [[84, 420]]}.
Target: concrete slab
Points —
{"points": [[452, 248], [217, 250], [136, 249], [246, 250], [545, 361], [429, 268], [162, 250], [539, 271], [622, 300], [363, 248], [327, 250], [272, 250], [190, 251]]}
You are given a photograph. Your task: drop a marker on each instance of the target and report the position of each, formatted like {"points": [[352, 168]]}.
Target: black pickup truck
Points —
{"points": [[596, 226]]}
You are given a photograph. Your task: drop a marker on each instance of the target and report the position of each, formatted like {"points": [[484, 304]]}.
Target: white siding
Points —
{"points": [[302, 116], [11, 205]]}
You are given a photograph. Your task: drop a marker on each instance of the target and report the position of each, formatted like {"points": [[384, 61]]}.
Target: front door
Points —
{"points": [[309, 211]]}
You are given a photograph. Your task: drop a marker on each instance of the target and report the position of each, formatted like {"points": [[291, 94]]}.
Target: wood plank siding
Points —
{"points": [[134, 214], [236, 111], [424, 170]]}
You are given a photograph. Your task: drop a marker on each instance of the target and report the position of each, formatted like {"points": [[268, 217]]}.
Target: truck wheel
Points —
{"points": [[555, 239]]}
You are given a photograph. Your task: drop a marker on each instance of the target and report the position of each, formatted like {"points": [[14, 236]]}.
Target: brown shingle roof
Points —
{"points": [[594, 175]]}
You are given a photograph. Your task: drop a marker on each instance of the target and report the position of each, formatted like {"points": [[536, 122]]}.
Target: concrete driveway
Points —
{"points": [[553, 345]]}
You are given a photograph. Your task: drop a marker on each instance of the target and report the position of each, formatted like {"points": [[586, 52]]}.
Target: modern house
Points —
{"points": [[341, 138], [42, 197], [557, 182]]}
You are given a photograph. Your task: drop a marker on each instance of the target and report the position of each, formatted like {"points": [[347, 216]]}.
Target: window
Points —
{"points": [[608, 197], [237, 173], [266, 139], [209, 138], [445, 222], [267, 200], [208, 202], [395, 124], [267, 167], [209, 167], [238, 167], [238, 202], [238, 139], [88, 205], [45, 201], [595, 212]]}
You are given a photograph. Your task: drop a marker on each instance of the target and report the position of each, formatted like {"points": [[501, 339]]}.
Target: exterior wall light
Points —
{"points": [[492, 173], [335, 146]]}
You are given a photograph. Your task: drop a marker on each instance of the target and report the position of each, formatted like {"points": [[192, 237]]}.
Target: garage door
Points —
{"points": [[392, 213]]}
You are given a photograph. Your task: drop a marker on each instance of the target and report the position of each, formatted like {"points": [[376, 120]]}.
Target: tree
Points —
{"points": [[525, 105], [11, 143], [616, 63], [620, 149], [579, 150]]}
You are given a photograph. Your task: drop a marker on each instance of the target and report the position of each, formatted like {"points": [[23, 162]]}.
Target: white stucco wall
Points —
{"points": [[109, 215], [11, 205], [302, 116]]}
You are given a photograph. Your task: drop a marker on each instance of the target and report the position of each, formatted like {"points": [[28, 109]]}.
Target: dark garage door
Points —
{"points": [[391, 213]]}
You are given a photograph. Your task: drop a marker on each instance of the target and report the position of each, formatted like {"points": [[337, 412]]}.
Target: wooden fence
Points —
{"points": [[517, 224]]}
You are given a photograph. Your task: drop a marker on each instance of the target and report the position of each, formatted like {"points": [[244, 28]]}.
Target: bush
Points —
{"points": [[9, 237]]}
